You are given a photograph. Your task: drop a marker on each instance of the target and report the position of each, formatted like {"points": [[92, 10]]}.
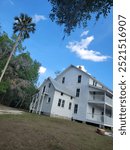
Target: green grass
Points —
{"points": [[34, 132]]}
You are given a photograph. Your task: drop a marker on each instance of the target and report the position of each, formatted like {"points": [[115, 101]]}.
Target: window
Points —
{"points": [[79, 78], [49, 85], [49, 100], [63, 80], [94, 93], [70, 104], [61, 93], [93, 110], [94, 83], [77, 92], [63, 103], [75, 108], [71, 97], [44, 89], [59, 102]]}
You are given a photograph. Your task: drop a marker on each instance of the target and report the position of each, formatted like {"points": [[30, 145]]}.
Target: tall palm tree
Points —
{"points": [[23, 25]]}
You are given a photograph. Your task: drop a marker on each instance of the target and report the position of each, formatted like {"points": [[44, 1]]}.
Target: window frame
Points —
{"points": [[77, 92], [79, 78], [70, 106], [63, 80], [75, 108], [63, 103], [59, 102]]}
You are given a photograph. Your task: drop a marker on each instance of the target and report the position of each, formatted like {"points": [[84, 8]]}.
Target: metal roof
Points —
{"points": [[60, 87]]}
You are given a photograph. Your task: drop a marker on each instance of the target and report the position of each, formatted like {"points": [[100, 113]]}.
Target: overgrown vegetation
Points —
{"points": [[36, 132], [18, 83]]}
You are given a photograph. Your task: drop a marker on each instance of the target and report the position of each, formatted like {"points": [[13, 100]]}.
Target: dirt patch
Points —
{"points": [[9, 110]]}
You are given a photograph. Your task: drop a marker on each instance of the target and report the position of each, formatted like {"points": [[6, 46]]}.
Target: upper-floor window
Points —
{"points": [[79, 78], [63, 80], [71, 97], [77, 92], [94, 83], [75, 108], [43, 89], [61, 93], [49, 85], [48, 100], [94, 93]]}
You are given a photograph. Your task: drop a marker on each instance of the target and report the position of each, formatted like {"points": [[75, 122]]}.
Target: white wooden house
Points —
{"points": [[74, 94]]}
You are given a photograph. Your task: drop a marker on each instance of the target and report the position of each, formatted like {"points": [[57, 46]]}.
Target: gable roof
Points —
{"points": [[86, 73], [61, 88]]}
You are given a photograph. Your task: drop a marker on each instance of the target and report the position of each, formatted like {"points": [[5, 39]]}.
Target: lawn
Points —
{"points": [[33, 132]]}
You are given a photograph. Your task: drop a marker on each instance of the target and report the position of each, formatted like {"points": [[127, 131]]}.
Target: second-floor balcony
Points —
{"points": [[100, 97]]}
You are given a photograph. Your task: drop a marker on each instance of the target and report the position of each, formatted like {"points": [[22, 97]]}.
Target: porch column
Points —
{"points": [[104, 96], [38, 105], [34, 106], [42, 99], [104, 112]]}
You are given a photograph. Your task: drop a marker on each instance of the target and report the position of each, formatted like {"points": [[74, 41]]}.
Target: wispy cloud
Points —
{"points": [[42, 70], [81, 49], [37, 18], [11, 2], [84, 33]]}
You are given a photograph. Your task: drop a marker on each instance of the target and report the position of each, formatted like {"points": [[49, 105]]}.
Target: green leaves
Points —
{"points": [[18, 84], [24, 25], [73, 13], [4, 85]]}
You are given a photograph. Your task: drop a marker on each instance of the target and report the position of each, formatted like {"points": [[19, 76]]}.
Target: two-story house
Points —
{"points": [[74, 94]]}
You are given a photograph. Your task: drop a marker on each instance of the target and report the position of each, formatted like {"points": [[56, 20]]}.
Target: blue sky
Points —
{"points": [[91, 47]]}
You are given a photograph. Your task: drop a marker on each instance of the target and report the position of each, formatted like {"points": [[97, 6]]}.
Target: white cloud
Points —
{"points": [[37, 18], [81, 50], [42, 70], [84, 33], [11, 2]]}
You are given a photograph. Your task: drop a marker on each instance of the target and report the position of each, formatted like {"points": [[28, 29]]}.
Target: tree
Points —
{"points": [[24, 26], [73, 13]]}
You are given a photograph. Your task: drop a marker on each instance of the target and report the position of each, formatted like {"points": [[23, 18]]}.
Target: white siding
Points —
{"points": [[71, 81], [59, 110]]}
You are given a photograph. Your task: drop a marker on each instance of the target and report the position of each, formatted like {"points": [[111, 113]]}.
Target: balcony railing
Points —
{"points": [[100, 119], [100, 99], [108, 100]]}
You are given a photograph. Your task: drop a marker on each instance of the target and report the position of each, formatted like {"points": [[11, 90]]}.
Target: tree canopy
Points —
{"points": [[73, 13], [23, 25], [18, 84]]}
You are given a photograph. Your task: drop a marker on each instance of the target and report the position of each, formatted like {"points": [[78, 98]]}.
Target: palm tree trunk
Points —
{"points": [[10, 56]]}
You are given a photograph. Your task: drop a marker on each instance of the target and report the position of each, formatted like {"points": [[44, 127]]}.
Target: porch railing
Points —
{"points": [[100, 119]]}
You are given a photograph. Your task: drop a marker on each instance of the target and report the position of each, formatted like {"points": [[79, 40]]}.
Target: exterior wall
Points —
{"points": [[41, 104], [59, 110], [46, 106], [71, 81]]}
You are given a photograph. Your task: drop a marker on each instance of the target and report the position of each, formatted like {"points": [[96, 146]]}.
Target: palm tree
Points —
{"points": [[23, 25]]}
